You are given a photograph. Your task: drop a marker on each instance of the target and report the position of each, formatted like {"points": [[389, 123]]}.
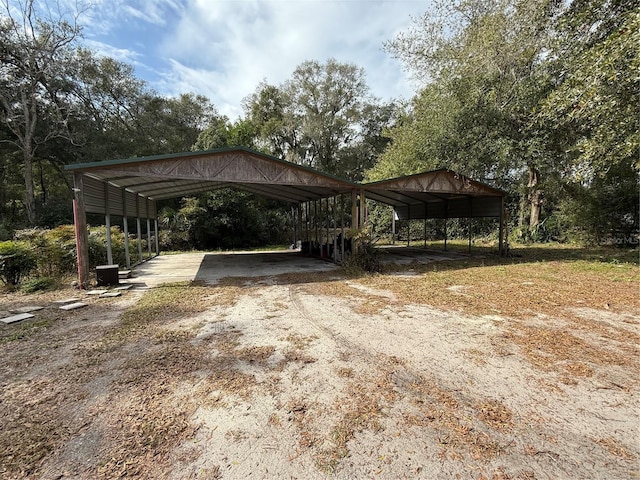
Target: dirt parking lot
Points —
{"points": [[446, 367]]}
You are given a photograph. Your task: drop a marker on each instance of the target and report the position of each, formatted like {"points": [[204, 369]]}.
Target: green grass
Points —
{"points": [[23, 330]]}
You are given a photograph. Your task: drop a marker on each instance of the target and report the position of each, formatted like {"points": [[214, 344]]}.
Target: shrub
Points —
{"points": [[16, 262], [55, 249], [38, 284], [367, 258]]}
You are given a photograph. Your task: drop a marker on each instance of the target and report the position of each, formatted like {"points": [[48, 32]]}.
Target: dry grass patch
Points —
{"points": [[333, 288], [253, 354], [296, 351], [495, 414], [453, 421], [358, 410], [299, 341], [33, 424], [536, 282], [558, 349], [144, 401], [615, 448], [10, 333], [148, 424], [363, 302], [370, 305], [295, 355]]}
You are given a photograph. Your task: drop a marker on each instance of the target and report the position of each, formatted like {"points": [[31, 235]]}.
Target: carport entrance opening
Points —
{"points": [[131, 188]]}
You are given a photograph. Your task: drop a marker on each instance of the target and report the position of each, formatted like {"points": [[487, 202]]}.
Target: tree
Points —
{"points": [[33, 89], [479, 62], [166, 125], [221, 133], [595, 63], [322, 117], [596, 100]]}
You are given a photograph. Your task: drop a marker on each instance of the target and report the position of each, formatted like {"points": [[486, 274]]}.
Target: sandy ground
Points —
{"points": [[288, 381]]}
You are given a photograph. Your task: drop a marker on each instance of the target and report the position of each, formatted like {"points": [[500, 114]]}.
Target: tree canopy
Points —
{"points": [[537, 97]]}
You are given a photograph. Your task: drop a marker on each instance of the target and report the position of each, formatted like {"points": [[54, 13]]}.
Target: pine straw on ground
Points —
{"points": [[145, 413], [142, 413], [541, 284], [518, 287]]}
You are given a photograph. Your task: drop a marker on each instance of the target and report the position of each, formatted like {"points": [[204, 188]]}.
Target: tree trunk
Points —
{"points": [[535, 196], [30, 199]]}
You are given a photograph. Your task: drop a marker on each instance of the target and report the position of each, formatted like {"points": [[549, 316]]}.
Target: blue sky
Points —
{"points": [[223, 48]]}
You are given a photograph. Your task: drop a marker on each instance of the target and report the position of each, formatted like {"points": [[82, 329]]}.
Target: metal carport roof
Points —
{"points": [[437, 194], [131, 187], [168, 176]]}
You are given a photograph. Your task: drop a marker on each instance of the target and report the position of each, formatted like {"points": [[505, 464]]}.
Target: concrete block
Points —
{"points": [[110, 294], [67, 300], [27, 309], [73, 306], [16, 318]]}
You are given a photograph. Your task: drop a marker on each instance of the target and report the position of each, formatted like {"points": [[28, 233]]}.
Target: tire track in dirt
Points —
{"points": [[403, 376], [265, 439], [294, 296], [414, 387]]}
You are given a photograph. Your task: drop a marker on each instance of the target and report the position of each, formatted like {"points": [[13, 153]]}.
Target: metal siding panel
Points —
{"points": [[131, 205], [115, 200], [456, 208], [487, 206], [93, 195]]}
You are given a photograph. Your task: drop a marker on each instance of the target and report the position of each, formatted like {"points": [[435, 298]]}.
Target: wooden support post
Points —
{"points": [[354, 210], [446, 218], [335, 237], [107, 222], [315, 219], [364, 215], [408, 225], [125, 227], [299, 211], [342, 227], [82, 238], [355, 219], [148, 229], [326, 219], [148, 237], [424, 233], [293, 224], [306, 221]]}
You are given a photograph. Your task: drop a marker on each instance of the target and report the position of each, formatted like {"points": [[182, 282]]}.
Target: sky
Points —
{"points": [[223, 49]]}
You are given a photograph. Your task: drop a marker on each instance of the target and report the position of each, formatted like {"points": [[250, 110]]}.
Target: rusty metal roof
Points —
{"points": [[111, 184]]}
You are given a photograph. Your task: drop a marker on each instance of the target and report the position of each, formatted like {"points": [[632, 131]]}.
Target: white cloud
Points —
{"points": [[121, 54], [224, 49]]}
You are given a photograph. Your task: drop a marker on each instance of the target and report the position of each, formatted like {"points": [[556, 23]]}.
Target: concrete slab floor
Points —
{"points": [[211, 267]]}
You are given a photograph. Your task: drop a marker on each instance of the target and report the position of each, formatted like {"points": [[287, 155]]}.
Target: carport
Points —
{"points": [[131, 188], [439, 194]]}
